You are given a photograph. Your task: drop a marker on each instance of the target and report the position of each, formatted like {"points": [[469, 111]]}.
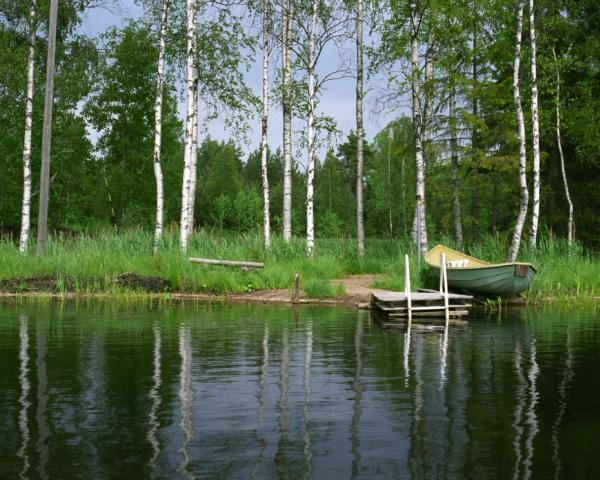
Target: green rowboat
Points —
{"points": [[473, 275]]}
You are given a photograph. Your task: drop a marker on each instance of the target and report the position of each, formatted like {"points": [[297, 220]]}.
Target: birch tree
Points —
{"points": [[321, 25], [535, 129], [421, 229], [311, 66], [571, 224], [516, 239], [286, 59], [360, 226], [42, 228], [26, 206], [191, 95], [265, 120], [456, 217], [158, 174]]}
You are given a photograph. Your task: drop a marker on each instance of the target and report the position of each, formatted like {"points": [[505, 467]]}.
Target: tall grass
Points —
{"points": [[91, 264]]}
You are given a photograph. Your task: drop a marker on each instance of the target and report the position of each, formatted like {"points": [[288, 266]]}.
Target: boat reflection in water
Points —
{"points": [[251, 392]]}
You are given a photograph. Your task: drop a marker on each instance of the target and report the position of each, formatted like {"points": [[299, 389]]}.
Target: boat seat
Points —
{"points": [[457, 263]]}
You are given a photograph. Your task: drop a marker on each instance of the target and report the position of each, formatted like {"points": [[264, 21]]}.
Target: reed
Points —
{"points": [[91, 264]]}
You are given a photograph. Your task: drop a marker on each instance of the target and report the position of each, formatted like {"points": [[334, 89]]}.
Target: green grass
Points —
{"points": [[91, 264]]}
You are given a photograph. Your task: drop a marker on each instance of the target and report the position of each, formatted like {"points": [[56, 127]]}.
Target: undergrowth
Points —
{"points": [[91, 264]]}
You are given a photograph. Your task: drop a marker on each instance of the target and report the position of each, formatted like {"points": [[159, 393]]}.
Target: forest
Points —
{"points": [[494, 143]]}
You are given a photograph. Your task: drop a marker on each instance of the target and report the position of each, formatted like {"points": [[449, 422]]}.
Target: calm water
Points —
{"points": [[105, 391]]}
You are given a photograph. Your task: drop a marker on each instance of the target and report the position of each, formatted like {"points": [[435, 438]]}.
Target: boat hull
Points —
{"points": [[494, 281]]}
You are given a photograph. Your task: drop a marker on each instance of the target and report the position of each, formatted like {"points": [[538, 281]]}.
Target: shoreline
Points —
{"points": [[262, 297]]}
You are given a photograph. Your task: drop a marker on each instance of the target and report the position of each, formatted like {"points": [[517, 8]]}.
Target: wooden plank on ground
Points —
{"points": [[228, 263]]}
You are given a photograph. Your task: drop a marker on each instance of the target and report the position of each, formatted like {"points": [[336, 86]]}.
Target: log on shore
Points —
{"points": [[227, 263]]}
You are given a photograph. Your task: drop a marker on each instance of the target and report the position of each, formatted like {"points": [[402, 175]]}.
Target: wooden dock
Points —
{"points": [[425, 307], [395, 305]]}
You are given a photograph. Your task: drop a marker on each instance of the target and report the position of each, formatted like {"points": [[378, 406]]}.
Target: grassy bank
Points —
{"points": [[93, 264]]}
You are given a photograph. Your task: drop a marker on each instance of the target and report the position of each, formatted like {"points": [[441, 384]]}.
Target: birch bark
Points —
{"points": [[570, 225], [189, 123], [158, 227], [535, 214], [417, 127], [287, 118], [265, 123], [516, 240], [360, 227], [458, 235], [42, 229], [310, 221], [26, 207]]}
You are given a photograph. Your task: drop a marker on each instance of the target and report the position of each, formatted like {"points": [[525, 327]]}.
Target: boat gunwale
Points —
{"points": [[487, 266]]}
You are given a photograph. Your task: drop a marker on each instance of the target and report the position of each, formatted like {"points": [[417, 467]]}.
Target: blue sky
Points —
{"points": [[338, 100]]}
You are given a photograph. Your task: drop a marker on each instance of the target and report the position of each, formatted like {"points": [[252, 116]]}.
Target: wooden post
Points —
{"points": [[296, 294], [444, 287], [407, 289]]}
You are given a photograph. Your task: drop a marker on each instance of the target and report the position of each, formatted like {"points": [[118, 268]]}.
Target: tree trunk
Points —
{"points": [[26, 207], [286, 55], [474, 136], [516, 240], [535, 212], [458, 236], [389, 181], [570, 226], [421, 227], [310, 221], [360, 226], [265, 120], [426, 128], [189, 123], [42, 229], [158, 227], [194, 151]]}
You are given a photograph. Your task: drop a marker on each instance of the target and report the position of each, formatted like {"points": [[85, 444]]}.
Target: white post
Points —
{"points": [[444, 290], [407, 289]]}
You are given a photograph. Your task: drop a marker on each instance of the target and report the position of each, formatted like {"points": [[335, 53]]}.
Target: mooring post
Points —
{"points": [[407, 289], [296, 293], [444, 287]]}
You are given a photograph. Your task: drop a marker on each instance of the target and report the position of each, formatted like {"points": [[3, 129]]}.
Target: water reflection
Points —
{"points": [[357, 387], [262, 399], [282, 404], [563, 388], [185, 397], [313, 393], [443, 356], [532, 423], [24, 396], [306, 403], [42, 399], [155, 401]]}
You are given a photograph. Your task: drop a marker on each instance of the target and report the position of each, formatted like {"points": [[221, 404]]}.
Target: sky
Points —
{"points": [[337, 100]]}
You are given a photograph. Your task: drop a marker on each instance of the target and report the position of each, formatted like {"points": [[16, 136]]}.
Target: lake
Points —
{"points": [[104, 390]]}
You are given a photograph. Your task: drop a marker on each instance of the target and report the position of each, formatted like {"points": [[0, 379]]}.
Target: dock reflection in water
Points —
{"points": [[236, 392]]}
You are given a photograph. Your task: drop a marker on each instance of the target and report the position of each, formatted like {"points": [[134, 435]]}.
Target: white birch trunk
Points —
{"points": [[458, 235], [310, 221], [265, 123], [571, 225], [287, 118], [160, 66], [189, 124], [516, 240], [360, 227], [42, 229], [535, 213], [26, 207], [193, 153], [421, 227]]}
